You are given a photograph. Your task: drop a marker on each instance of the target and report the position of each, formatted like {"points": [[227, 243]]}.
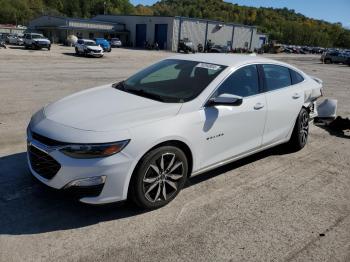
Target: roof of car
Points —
{"points": [[225, 59]]}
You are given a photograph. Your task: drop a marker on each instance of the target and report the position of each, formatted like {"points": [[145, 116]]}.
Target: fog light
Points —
{"points": [[87, 182]]}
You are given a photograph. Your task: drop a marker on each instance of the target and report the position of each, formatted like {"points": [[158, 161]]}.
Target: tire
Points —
{"points": [[77, 51], [328, 61], [301, 131], [154, 184]]}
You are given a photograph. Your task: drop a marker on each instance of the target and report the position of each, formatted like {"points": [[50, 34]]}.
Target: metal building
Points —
{"points": [[12, 29], [58, 28], [136, 30], [167, 31]]}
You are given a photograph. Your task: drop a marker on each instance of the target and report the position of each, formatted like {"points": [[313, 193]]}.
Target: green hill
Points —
{"points": [[284, 25]]}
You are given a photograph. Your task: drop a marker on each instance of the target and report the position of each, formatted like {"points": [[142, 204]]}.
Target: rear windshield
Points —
{"points": [[172, 80]]}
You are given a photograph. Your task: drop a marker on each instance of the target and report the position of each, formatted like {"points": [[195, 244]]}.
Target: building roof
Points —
{"points": [[67, 23], [83, 20], [225, 59], [181, 18]]}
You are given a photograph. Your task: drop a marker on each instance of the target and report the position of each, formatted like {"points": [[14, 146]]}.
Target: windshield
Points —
{"points": [[37, 36], [171, 80], [90, 43]]}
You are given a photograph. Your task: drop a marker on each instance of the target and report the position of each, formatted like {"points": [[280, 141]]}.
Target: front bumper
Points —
{"points": [[116, 169], [94, 53], [41, 45]]}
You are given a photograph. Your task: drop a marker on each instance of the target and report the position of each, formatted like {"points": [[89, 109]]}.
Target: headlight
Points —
{"points": [[94, 150]]}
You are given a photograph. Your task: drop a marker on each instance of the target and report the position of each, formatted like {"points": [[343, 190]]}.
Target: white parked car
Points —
{"points": [[12, 39], [115, 42], [36, 41], [142, 137], [88, 48]]}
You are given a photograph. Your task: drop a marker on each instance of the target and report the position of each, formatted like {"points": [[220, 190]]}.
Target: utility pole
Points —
{"points": [[104, 7]]}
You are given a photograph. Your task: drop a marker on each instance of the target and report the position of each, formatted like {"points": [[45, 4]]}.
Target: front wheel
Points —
{"points": [[301, 131], [328, 61], [159, 177]]}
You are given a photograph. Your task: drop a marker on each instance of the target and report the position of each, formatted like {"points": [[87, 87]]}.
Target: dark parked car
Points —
{"points": [[186, 46], [348, 61], [334, 57]]}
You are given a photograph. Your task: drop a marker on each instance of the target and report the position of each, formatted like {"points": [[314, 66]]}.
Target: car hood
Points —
{"points": [[106, 109], [97, 48]]}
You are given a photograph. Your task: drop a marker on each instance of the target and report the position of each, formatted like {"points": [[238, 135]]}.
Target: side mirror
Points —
{"points": [[225, 100]]}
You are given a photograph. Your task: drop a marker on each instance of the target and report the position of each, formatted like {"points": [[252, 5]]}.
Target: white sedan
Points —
{"points": [[88, 48], [141, 138]]}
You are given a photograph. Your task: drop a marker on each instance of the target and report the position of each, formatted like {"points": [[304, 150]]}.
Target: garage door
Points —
{"points": [[160, 35], [141, 32]]}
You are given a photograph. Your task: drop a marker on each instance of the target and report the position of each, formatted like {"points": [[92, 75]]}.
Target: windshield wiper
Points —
{"points": [[120, 85], [143, 93], [140, 92]]}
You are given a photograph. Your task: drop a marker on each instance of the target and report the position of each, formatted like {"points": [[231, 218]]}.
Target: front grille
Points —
{"points": [[47, 141], [42, 163], [96, 51]]}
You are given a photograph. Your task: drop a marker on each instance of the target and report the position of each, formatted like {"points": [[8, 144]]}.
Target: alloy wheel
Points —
{"points": [[162, 177], [304, 127]]}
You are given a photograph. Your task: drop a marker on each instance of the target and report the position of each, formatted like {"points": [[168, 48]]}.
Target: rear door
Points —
{"points": [[284, 101]]}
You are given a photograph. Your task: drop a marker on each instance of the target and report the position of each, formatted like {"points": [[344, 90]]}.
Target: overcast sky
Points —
{"points": [[329, 10]]}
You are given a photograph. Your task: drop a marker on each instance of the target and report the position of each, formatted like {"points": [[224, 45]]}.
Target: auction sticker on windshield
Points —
{"points": [[209, 66]]}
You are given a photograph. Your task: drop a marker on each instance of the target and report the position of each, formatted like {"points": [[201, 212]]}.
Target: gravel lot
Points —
{"points": [[275, 205]]}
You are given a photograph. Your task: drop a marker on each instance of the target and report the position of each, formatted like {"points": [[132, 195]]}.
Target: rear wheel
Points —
{"points": [[328, 61], [159, 177], [77, 51], [301, 131]]}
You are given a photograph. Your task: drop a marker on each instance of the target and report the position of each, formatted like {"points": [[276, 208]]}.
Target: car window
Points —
{"points": [[172, 80], [276, 77], [90, 43], [243, 82], [296, 77], [37, 36], [166, 73]]}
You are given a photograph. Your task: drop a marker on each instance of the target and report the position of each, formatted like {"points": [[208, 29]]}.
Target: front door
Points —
{"points": [[230, 131]]}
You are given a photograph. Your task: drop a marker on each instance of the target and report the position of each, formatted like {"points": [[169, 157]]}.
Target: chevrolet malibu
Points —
{"points": [[143, 137]]}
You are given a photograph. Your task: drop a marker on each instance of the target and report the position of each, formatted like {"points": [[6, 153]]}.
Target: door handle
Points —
{"points": [[258, 106], [296, 96]]}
